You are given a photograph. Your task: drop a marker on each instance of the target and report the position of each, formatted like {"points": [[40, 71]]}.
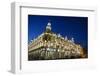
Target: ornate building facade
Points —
{"points": [[50, 46]]}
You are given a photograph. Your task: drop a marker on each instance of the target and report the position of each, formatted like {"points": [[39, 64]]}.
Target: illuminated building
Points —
{"points": [[50, 46]]}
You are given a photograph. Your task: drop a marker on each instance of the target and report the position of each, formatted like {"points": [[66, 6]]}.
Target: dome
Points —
{"points": [[72, 39], [48, 27]]}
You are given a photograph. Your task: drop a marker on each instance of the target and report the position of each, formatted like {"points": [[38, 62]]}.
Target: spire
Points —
{"points": [[66, 38], [59, 35]]}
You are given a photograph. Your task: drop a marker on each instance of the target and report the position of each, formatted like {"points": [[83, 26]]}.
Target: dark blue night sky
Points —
{"points": [[76, 27]]}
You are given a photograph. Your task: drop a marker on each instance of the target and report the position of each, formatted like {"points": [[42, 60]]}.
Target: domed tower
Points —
{"points": [[48, 27]]}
